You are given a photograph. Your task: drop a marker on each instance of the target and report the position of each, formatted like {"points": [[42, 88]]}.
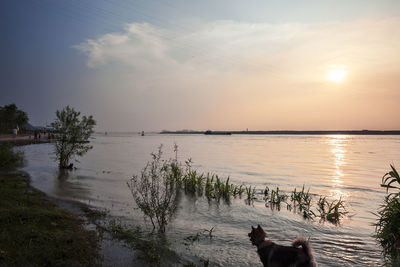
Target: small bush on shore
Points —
{"points": [[10, 159]]}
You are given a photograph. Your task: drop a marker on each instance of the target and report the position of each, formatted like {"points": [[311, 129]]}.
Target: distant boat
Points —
{"points": [[142, 133], [209, 132]]}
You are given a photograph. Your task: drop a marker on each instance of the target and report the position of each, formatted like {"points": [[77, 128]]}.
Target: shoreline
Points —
{"points": [[37, 231], [290, 132], [110, 251], [22, 140]]}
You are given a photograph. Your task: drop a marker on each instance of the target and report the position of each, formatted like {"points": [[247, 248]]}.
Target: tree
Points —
{"points": [[72, 135], [11, 117]]}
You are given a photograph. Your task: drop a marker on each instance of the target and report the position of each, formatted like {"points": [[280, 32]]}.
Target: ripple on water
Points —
{"points": [[330, 165]]}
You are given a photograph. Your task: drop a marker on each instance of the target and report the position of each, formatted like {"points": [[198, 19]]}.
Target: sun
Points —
{"points": [[337, 75]]}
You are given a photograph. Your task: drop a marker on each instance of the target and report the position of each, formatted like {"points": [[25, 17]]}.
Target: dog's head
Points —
{"points": [[257, 235]]}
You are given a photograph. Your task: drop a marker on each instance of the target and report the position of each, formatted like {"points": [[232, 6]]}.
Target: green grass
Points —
{"points": [[36, 232], [9, 159]]}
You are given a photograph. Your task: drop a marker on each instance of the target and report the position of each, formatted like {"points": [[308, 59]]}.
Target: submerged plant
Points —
{"points": [[209, 188], [251, 194], [276, 199], [302, 203], [209, 232], [237, 190], [266, 192], [331, 211], [206, 233]]}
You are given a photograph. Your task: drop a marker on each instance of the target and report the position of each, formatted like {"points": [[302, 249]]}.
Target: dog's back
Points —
{"points": [[274, 255]]}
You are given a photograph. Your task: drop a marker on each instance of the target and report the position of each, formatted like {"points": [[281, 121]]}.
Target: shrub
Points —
{"points": [[155, 190], [10, 159]]}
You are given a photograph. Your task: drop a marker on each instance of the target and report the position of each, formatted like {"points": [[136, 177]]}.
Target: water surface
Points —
{"points": [[338, 166]]}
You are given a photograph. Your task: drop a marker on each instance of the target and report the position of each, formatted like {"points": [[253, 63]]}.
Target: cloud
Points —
{"points": [[213, 69]]}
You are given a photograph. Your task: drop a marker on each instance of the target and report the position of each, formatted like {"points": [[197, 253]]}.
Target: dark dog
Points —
{"points": [[273, 255]]}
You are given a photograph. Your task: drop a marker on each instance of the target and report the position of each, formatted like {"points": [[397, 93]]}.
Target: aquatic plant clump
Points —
{"points": [[388, 229], [331, 211], [388, 224], [157, 189]]}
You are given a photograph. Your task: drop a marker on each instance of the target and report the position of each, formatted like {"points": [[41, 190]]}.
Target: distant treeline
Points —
{"points": [[352, 132], [11, 117]]}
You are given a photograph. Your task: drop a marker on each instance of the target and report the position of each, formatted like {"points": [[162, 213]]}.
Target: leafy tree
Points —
{"points": [[11, 117], [72, 135]]}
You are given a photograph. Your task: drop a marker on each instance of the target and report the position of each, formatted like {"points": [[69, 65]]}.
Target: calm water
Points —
{"points": [[350, 167]]}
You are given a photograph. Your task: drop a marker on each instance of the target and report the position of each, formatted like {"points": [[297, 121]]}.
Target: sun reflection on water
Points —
{"points": [[338, 144]]}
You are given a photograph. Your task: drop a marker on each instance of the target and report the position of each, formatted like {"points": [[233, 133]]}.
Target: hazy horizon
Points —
{"points": [[225, 65]]}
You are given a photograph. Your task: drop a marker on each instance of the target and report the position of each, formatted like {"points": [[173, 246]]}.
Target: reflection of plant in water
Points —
{"points": [[388, 225]]}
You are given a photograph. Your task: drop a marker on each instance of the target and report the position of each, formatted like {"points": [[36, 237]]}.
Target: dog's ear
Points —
{"points": [[252, 228], [259, 228]]}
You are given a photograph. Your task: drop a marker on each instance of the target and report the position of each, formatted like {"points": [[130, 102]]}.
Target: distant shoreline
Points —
{"points": [[351, 132]]}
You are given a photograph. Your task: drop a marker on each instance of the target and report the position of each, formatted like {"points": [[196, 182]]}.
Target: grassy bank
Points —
{"points": [[36, 232]]}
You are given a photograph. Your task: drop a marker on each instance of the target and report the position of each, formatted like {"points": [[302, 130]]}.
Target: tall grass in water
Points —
{"points": [[302, 203], [276, 199], [387, 226], [251, 195], [331, 211], [157, 189]]}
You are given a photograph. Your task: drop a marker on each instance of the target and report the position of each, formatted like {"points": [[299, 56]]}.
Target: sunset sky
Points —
{"points": [[212, 64]]}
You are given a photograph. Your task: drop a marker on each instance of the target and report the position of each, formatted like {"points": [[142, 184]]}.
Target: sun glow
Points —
{"points": [[337, 75]]}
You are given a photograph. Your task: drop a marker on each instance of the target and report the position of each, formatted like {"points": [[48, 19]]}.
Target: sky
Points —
{"points": [[157, 65]]}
